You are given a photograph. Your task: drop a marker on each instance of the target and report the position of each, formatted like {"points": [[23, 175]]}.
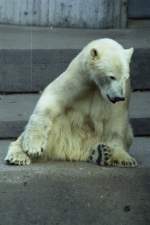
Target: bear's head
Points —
{"points": [[107, 63]]}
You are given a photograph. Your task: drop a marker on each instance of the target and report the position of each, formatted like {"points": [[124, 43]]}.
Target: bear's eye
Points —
{"points": [[112, 78]]}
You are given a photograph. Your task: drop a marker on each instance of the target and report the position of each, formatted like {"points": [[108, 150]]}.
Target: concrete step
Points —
{"points": [[76, 193], [27, 54], [18, 37], [31, 70], [16, 109]]}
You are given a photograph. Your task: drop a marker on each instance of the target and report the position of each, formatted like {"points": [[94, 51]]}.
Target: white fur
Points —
{"points": [[73, 114]]}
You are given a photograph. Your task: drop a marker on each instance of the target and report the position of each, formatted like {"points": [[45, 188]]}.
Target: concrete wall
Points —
{"points": [[64, 13]]}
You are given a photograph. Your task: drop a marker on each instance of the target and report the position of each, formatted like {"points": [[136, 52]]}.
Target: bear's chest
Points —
{"points": [[89, 114]]}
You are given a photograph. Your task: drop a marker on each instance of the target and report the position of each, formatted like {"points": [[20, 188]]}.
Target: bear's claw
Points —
{"points": [[129, 162], [17, 158]]}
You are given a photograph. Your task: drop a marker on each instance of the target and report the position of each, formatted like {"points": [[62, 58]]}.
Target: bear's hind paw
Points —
{"points": [[100, 155]]}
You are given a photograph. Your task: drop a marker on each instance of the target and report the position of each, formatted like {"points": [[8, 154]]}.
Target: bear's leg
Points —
{"points": [[129, 137], [15, 155], [35, 137], [120, 142], [31, 143]]}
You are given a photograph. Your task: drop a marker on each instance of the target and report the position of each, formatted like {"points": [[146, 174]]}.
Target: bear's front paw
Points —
{"points": [[18, 159], [16, 156], [34, 144], [100, 155]]}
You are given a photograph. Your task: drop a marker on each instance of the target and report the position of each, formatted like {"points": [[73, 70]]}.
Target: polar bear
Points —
{"points": [[83, 114]]}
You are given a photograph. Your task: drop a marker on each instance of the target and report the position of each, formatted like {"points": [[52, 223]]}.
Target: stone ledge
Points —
{"points": [[66, 38]]}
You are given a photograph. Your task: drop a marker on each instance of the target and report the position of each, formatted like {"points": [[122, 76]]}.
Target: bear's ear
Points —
{"points": [[94, 53], [129, 53]]}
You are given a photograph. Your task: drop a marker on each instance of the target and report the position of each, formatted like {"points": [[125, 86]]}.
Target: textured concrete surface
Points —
{"points": [[67, 193], [15, 37], [65, 13], [140, 23], [74, 193]]}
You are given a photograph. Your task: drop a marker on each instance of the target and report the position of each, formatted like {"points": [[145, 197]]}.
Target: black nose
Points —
{"points": [[118, 99], [115, 99]]}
